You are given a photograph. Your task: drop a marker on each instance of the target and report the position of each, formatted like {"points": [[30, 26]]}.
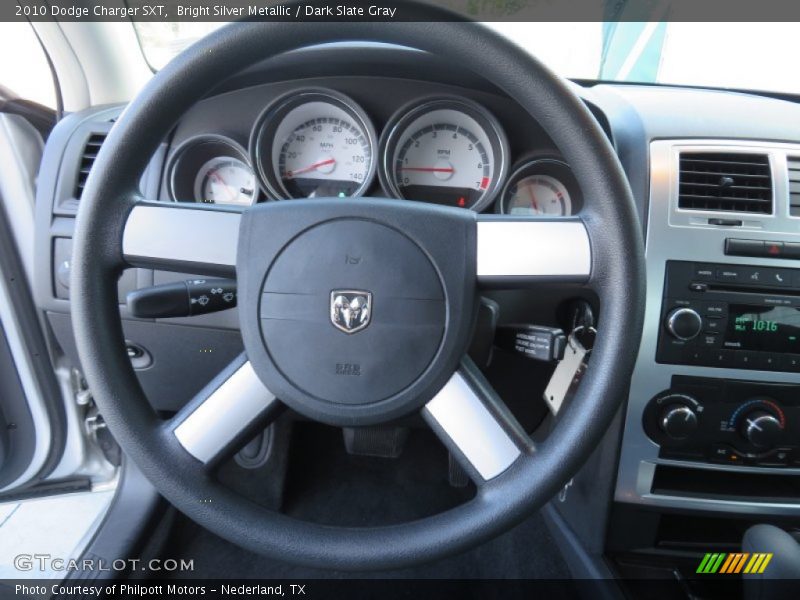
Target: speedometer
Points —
{"points": [[314, 143], [446, 151]]}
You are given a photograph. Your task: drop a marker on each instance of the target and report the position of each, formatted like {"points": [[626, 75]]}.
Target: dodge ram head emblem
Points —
{"points": [[351, 309]]}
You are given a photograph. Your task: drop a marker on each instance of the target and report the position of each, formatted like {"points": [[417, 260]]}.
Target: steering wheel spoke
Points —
{"points": [[188, 238], [514, 252], [475, 425], [234, 405]]}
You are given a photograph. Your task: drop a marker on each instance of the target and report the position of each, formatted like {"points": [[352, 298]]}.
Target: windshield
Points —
{"points": [[726, 55]]}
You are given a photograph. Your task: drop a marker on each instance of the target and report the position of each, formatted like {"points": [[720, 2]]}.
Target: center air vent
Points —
{"points": [[90, 151], [725, 181], [793, 162]]}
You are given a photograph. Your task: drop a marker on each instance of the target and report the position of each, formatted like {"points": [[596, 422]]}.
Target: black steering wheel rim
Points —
{"points": [[617, 274]]}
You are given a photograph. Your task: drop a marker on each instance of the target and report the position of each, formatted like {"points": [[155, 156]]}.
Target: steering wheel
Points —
{"points": [[417, 272]]}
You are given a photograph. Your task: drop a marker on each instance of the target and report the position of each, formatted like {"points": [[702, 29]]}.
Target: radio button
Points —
{"points": [[729, 274], [684, 323], [695, 356], [756, 275], [714, 324], [709, 341], [715, 309], [790, 362], [768, 361], [781, 277], [704, 272], [745, 360], [718, 358]]}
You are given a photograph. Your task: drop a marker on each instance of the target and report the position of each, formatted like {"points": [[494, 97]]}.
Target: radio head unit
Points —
{"points": [[738, 316]]}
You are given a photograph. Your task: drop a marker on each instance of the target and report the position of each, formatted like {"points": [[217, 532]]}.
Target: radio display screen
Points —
{"points": [[763, 328]]}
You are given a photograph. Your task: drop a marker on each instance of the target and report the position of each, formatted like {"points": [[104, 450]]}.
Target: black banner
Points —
{"points": [[400, 10], [381, 589]]}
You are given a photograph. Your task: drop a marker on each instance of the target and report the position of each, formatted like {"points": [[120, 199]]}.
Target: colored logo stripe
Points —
{"points": [[758, 563], [720, 562], [711, 563]]}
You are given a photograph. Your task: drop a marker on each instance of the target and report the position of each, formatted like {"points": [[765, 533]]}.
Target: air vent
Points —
{"points": [[87, 160], [793, 162], [721, 181]]}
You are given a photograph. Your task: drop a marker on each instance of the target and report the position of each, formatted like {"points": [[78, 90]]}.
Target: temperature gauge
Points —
{"points": [[225, 180], [543, 187], [212, 169]]}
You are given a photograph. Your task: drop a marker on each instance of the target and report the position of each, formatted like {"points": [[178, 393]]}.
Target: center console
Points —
{"points": [[713, 416]]}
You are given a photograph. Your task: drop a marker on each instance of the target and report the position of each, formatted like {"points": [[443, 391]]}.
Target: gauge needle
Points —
{"points": [[316, 165], [221, 181], [429, 169], [533, 199]]}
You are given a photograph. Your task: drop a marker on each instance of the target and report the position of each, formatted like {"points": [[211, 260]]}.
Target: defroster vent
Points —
{"points": [[723, 181]]}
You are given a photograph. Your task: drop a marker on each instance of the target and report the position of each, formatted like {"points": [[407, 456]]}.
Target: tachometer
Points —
{"points": [[542, 187], [314, 143], [446, 151]]}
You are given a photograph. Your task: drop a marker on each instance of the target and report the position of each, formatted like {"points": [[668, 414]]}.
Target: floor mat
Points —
{"points": [[326, 485]]}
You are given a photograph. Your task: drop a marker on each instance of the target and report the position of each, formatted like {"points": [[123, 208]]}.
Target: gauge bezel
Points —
{"points": [[272, 116], [401, 120], [192, 154], [543, 165]]}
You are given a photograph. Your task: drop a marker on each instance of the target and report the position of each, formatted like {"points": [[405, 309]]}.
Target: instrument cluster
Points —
{"points": [[317, 142]]}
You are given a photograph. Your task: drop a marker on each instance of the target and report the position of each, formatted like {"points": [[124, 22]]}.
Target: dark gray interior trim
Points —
{"points": [[127, 525], [581, 564]]}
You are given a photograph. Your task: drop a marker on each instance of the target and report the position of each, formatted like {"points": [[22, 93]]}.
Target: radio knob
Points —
{"points": [[684, 323], [761, 428], [678, 421]]}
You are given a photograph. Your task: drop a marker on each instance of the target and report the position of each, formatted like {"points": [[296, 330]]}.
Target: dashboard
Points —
{"points": [[681, 460], [421, 141]]}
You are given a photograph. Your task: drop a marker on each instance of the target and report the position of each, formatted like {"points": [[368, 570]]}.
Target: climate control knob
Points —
{"points": [[761, 428], [678, 421], [684, 323]]}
